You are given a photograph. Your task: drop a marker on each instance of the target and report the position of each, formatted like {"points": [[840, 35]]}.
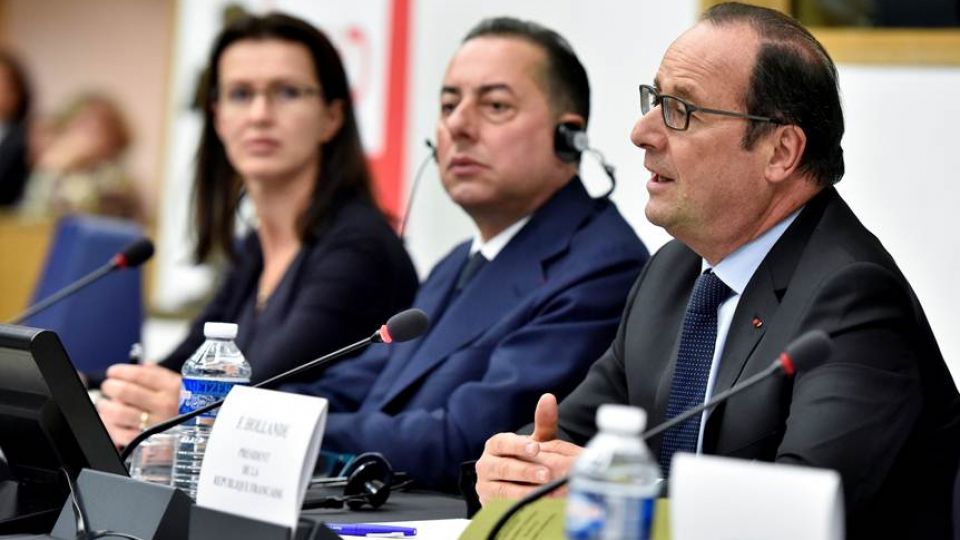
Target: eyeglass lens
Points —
{"points": [[244, 95], [674, 111]]}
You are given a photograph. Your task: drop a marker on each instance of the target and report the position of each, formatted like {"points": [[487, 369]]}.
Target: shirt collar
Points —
{"points": [[493, 246], [736, 269]]}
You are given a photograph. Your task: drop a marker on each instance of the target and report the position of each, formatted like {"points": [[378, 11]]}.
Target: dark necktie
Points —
{"points": [[689, 386], [470, 269]]}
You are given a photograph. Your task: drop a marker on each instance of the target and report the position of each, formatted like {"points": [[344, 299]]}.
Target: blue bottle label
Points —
{"points": [[595, 516], [196, 393]]}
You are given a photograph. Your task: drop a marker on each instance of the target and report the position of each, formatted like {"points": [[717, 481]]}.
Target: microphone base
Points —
{"points": [[207, 524], [154, 512], [116, 503]]}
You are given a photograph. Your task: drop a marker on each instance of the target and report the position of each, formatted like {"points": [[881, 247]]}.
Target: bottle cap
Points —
{"points": [[220, 330], [621, 419]]}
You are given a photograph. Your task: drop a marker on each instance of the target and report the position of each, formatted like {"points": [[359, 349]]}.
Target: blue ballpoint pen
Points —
{"points": [[370, 529]]}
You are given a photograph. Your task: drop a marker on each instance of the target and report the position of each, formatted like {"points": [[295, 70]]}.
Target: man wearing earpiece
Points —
{"points": [[741, 129], [523, 307]]}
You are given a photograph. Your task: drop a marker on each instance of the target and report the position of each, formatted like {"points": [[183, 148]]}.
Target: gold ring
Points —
{"points": [[144, 420]]}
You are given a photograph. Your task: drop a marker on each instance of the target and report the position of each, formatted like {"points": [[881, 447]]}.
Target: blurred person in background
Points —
{"points": [[322, 267], [79, 163], [14, 108]]}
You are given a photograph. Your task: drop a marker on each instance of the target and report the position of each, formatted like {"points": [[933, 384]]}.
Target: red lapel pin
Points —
{"points": [[757, 322]]}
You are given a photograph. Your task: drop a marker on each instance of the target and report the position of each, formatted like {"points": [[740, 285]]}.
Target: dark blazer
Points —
{"points": [[13, 164], [883, 410], [530, 321], [339, 289]]}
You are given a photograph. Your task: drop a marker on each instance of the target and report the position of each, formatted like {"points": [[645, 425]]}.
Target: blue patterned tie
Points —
{"points": [[694, 358]]}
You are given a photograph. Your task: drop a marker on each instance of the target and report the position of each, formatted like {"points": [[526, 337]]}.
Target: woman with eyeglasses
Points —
{"points": [[322, 267]]}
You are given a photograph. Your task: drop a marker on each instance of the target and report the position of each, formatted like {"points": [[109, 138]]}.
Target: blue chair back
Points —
{"points": [[98, 324]]}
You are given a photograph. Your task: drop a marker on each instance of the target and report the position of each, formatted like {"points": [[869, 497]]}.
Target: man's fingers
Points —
{"points": [[545, 419], [488, 491], [511, 444], [558, 446], [510, 469], [558, 464]]}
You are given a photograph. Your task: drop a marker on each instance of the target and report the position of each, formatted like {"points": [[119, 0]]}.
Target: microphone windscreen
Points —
{"points": [[809, 350], [407, 325], [135, 254]]}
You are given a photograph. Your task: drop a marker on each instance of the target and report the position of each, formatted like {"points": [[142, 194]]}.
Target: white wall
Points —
{"points": [[900, 144], [901, 149]]}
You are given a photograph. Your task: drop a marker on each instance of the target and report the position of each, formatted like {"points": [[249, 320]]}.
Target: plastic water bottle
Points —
{"points": [[207, 377], [615, 481]]}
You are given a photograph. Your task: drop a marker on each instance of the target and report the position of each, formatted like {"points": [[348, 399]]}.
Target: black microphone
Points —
{"points": [[803, 353], [132, 256], [403, 326]]}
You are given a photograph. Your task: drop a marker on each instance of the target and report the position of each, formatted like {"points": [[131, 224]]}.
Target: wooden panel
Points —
{"points": [[855, 45], [23, 246]]}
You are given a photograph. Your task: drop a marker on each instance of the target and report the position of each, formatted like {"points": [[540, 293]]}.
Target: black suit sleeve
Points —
{"points": [[855, 412], [606, 382]]}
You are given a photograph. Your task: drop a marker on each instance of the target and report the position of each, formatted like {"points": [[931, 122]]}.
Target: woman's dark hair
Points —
{"points": [[18, 76], [794, 80], [343, 170]]}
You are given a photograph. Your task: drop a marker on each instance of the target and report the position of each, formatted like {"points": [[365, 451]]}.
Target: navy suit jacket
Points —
{"points": [[530, 321], [882, 410], [340, 288]]}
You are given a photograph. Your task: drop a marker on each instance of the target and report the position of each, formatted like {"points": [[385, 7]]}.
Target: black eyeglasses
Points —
{"points": [[676, 112]]}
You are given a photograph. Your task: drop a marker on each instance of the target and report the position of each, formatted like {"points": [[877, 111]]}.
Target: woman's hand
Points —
{"points": [[135, 397]]}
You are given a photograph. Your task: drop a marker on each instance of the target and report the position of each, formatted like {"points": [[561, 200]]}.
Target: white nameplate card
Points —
{"points": [[261, 454], [715, 498]]}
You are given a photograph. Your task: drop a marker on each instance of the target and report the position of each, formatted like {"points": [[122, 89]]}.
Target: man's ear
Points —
{"points": [[572, 118], [786, 146]]}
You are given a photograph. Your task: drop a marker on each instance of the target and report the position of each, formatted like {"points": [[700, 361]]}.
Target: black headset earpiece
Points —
{"points": [[366, 480], [569, 141], [369, 477]]}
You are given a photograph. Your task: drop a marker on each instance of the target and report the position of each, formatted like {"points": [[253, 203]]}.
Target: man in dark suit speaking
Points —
{"points": [[524, 307], [742, 128]]}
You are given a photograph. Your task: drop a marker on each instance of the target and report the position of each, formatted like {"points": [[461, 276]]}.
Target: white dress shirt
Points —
{"points": [[736, 270], [493, 246]]}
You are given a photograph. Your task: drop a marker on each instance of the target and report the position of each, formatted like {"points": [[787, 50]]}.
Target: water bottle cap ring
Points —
{"points": [[621, 418], [220, 330]]}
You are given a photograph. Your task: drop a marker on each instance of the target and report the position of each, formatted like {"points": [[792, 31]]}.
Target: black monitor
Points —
{"points": [[47, 424]]}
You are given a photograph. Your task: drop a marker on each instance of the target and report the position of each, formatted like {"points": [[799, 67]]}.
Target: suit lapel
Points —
{"points": [[761, 299], [758, 303], [689, 268], [432, 299], [496, 289]]}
